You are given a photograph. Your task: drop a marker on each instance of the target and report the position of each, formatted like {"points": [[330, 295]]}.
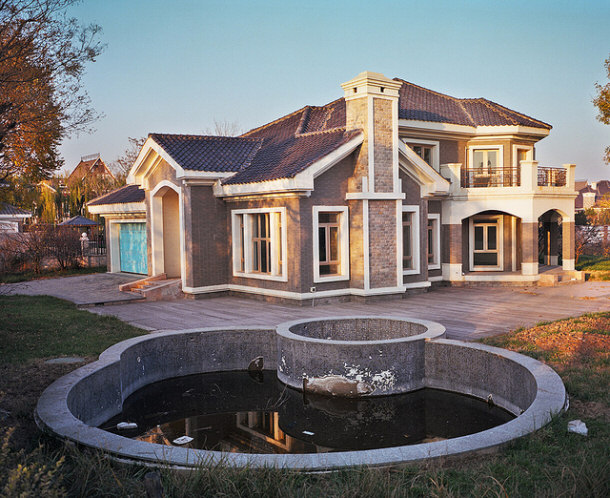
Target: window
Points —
{"points": [[486, 243], [485, 161], [259, 242], [434, 242], [410, 240], [428, 150], [330, 243]]}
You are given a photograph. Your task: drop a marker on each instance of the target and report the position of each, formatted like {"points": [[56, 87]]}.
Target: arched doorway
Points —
{"points": [[550, 238], [166, 231]]}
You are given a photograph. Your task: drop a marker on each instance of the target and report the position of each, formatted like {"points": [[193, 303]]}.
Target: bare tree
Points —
{"points": [[124, 162], [224, 129], [602, 102]]}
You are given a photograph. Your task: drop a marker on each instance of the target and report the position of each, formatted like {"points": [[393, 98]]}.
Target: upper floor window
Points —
{"points": [[259, 243], [485, 160], [330, 243], [428, 150]]}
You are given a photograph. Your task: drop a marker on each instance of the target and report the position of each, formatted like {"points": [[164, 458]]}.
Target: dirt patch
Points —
{"points": [[590, 409], [20, 388]]}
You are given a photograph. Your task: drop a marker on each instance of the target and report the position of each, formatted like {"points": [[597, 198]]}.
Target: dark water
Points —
{"points": [[238, 412]]}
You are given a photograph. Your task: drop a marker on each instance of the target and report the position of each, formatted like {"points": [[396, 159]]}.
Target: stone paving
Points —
{"points": [[467, 313]]}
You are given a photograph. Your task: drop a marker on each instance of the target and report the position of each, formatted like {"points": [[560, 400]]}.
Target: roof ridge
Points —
{"points": [[428, 89], [283, 118], [320, 132], [303, 120], [205, 137]]}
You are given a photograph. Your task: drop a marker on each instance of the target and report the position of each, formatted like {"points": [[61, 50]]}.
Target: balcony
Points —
{"points": [[526, 179]]}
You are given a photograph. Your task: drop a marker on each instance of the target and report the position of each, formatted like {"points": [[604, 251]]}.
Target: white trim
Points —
{"points": [[473, 130], [386, 196], [301, 181], [399, 276], [365, 245], [304, 296], [436, 239], [569, 264], [370, 104], [529, 268], [435, 149], [275, 275], [513, 236], [439, 278], [343, 243], [119, 208], [499, 242], [416, 239], [430, 180]]}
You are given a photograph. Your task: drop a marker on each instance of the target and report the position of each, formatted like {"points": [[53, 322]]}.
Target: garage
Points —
{"points": [[132, 248]]}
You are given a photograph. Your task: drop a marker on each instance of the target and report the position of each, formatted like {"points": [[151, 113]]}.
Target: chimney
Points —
{"points": [[594, 185], [588, 200], [371, 105]]}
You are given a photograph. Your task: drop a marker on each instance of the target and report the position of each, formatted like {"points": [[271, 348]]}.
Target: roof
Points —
{"points": [[10, 210], [89, 168], [128, 193], [287, 146], [209, 153], [79, 221], [421, 104]]}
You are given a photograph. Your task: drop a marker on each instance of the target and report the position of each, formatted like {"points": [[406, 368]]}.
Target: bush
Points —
{"points": [[64, 246]]}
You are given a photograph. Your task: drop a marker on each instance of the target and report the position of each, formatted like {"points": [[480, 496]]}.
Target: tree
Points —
{"points": [[224, 129], [123, 163], [602, 102], [43, 54]]}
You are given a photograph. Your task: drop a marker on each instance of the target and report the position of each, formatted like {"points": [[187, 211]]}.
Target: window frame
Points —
{"points": [[482, 221], [242, 243], [434, 146], [415, 240], [343, 241], [498, 148], [436, 241]]}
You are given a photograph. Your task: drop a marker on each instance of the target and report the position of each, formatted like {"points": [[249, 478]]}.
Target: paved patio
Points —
{"points": [[467, 313]]}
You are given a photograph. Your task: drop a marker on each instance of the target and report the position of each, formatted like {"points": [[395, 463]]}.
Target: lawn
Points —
{"points": [[24, 276], [550, 462]]}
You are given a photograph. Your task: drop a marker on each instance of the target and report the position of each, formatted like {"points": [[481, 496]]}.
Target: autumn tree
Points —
{"points": [[124, 162], [602, 102], [43, 54]]}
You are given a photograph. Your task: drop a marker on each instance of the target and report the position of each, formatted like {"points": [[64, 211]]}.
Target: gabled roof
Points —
{"points": [[89, 168], [601, 190], [421, 104], [10, 210], [128, 193], [208, 153]]}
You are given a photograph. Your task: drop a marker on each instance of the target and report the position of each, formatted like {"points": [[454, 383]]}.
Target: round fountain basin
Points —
{"points": [[353, 357], [75, 405]]}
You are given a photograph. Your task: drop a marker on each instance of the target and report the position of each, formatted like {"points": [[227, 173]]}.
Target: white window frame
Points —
{"points": [[435, 160], [282, 239], [343, 243], [472, 148], [436, 240], [517, 148], [500, 224], [415, 242]]}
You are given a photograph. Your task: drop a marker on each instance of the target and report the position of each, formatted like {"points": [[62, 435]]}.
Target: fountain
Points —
{"points": [[359, 363]]}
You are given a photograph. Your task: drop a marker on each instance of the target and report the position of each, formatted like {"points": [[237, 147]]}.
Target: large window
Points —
{"points": [[486, 243], [485, 161], [410, 240], [330, 243], [434, 242], [259, 243]]}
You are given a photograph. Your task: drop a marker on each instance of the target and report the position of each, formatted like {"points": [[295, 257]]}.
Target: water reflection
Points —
{"points": [[236, 412]]}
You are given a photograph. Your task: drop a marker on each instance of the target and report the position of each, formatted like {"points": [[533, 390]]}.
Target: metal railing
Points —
{"points": [[490, 177], [551, 177]]}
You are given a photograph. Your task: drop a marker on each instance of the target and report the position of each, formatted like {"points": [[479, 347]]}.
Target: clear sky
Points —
{"points": [[176, 66]]}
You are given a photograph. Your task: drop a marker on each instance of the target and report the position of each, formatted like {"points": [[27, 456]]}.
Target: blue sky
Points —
{"points": [[177, 66]]}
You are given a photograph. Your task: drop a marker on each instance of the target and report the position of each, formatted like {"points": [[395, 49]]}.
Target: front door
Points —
{"points": [[486, 244], [132, 248]]}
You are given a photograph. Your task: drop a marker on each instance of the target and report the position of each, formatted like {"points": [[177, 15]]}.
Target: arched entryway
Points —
{"points": [[550, 239], [166, 230]]}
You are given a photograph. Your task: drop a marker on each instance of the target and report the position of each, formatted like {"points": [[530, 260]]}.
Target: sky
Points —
{"points": [[178, 66]]}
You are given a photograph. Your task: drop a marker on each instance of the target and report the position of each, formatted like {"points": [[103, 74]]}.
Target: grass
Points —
{"points": [[550, 462], [593, 263], [11, 278]]}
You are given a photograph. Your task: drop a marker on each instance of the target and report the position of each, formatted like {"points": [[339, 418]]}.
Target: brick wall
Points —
{"points": [[382, 115], [382, 243]]}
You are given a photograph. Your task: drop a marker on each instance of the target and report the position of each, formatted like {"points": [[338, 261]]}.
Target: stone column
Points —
{"points": [[568, 245], [452, 252], [529, 253]]}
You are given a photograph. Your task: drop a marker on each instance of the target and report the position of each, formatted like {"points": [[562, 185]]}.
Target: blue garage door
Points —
{"points": [[132, 244]]}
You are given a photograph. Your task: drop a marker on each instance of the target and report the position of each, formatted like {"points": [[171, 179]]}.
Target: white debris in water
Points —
{"points": [[578, 427], [384, 380], [308, 433], [125, 426], [282, 366], [182, 440]]}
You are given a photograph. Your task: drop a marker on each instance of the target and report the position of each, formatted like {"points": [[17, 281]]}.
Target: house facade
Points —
{"points": [[386, 190]]}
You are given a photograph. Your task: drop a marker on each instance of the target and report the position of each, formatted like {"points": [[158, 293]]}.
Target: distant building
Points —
{"points": [[90, 167], [590, 194], [12, 218]]}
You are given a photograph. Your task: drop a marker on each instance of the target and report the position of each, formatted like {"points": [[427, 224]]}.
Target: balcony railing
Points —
{"points": [[490, 177], [551, 177]]}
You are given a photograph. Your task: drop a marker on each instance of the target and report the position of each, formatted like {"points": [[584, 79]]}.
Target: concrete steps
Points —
{"points": [[561, 277], [155, 288]]}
